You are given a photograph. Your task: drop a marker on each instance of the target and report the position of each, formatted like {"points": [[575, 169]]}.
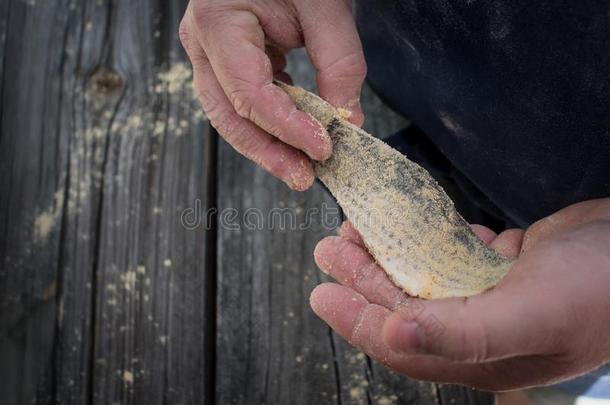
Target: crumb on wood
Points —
{"points": [[128, 377], [45, 222]]}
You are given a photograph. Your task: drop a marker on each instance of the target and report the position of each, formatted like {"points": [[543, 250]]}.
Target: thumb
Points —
{"points": [[335, 50], [483, 328], [569, 217]]}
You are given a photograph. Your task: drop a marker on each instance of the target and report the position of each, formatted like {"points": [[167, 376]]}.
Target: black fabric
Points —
{"points": [[469, 202], [516, 94]]}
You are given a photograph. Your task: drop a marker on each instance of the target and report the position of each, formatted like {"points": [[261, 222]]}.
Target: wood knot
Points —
{"points": [[106, 82]]}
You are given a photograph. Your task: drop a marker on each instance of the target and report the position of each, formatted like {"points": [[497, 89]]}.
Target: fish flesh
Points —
{"points": [[406, 220]]}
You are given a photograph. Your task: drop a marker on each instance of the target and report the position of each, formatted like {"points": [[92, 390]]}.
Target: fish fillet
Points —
{"points": [[408, 223]]}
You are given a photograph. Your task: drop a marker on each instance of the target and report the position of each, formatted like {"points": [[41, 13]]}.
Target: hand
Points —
{"points": [[238, 46], [547, 320]]}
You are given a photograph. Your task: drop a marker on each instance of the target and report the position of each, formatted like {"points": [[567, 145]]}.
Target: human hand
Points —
{"points": [[238, 46], [546, 321]]}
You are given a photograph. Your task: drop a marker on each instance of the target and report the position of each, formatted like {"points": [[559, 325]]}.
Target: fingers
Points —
{"points": [[346, 259], [336, 52], [484, 328], [351, 265], [574, 215], [280, 159], [361, 324], [455, 330], [347, 231], [484, 233], [352, 317], [478, 329], [508, 243], [234, 43]]}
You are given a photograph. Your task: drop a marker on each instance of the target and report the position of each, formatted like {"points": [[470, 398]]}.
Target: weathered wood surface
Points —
{"points": [[103, 145], [109, 293]]}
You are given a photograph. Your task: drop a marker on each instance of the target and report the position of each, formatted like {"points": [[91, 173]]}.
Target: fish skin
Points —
{"points": [[406, 220]]}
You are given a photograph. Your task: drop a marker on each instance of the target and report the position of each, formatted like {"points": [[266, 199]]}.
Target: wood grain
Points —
{"points": [[103, 146]]}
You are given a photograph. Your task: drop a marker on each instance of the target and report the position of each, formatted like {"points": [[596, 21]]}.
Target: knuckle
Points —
{"points": [[271, 127], [224, 122], [210, 15], [236, 132], [258, 149], [249, 146], [357, 65], [351, 65], [355, 337], [366, 332], [410, 308], [202, 10], [184, 34], [472, 342], [463, 340], [478, 345], [206, 97], [365, 274], [241, 101], [344, 248]]}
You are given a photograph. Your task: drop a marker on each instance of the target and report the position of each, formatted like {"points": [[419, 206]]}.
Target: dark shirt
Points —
{"points": [[515, 93]]}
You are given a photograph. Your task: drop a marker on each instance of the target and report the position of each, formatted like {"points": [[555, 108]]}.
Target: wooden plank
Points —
{"points": [[32, 186], [103, 147], [270, 347], [151, 276]]}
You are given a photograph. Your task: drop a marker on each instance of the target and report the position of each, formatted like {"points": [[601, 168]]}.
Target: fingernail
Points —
{"points": [[318, 144], [300, 176], [300, 181], [319, 147]]}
